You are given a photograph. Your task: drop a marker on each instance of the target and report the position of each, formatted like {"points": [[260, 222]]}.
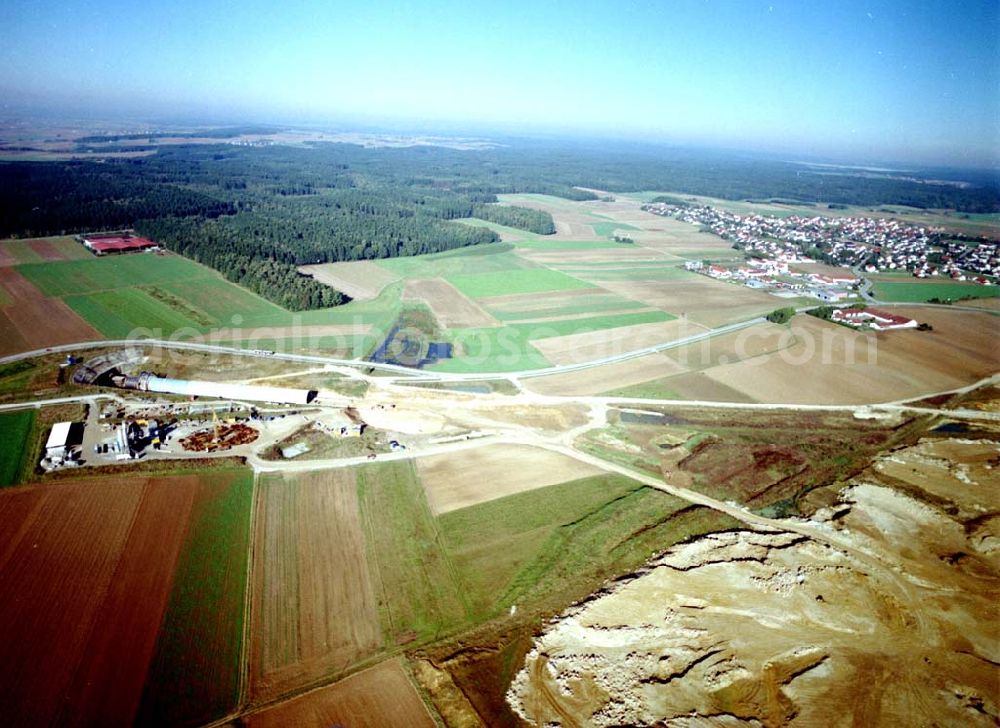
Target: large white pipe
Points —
{"points": [[223, 390]]}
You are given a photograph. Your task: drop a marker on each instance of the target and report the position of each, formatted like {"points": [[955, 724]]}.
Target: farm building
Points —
{"points": [[116, 243], [220, 390], [879, 320]]}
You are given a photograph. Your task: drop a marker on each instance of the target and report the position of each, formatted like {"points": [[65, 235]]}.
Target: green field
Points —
{"points": [[76, 277], [122, 313], [918, 291], [509, 349], [15, 427], [195, 672], [563, 539], [221, 300], [607, 229], [566, 327], [491, 350], [477, 259], [501, 283], [508, 233], [544, 244], [419, 594]]}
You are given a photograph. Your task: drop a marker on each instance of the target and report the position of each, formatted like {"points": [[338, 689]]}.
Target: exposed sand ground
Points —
{"points": [[747, 628]]}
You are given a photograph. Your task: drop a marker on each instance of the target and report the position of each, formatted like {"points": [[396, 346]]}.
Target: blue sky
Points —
{"points": [[876, 80]]}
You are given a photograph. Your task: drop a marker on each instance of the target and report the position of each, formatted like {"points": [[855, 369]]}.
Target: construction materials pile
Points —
{"points": [[221, 437]]}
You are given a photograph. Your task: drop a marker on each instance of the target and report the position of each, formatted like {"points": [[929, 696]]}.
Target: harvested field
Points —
{"points": [[822, 269], [577, 348], [530, 302], [40, 321], [849, 367], [314, 608], [703, 300], [92, 563], [452, 309], [58, 248], [601, 379], [269, 333], [619, 254], [11, 341], [732, 347], [7, 258], [766, 625], [380, 696], [362, 280], [491, 472]]}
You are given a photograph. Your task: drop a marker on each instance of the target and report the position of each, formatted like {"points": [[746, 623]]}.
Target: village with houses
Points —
{"points": [[869, 244]]}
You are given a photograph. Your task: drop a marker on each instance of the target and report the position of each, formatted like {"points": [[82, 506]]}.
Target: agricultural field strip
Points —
{"points": [[404, 371]]}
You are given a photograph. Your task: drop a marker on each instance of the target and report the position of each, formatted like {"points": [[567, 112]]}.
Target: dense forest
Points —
{"points": [[256, 213]]}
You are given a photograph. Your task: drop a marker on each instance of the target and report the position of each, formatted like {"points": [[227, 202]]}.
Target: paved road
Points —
{"points": [[390, 368]]}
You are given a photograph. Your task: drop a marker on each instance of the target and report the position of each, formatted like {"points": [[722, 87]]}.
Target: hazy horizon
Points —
{"points": [[859, 81]]}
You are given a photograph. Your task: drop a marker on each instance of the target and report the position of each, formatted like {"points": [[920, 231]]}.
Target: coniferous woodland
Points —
{"points": [[256, 213]]}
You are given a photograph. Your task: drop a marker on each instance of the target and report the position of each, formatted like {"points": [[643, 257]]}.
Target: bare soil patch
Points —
{"points": [[91, 562], [380, 696], [450, 307], [577, 348], [41, 321], [314, 609], [491, 472], [739, 345], [605, 378], [836, 365], [47, 249], [6, 258], [362, 280]]}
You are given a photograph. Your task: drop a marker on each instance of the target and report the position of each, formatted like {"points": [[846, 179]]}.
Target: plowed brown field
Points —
{"points": [[41, 321], [450, 307], [378, 697], [86, 568], [314, 612]]}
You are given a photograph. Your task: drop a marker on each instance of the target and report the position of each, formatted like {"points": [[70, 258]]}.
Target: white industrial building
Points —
{"points": [[223, 390], [58, 442]]}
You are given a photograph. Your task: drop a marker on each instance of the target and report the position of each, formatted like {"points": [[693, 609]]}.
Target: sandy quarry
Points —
{"points": [[748, 628]]}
